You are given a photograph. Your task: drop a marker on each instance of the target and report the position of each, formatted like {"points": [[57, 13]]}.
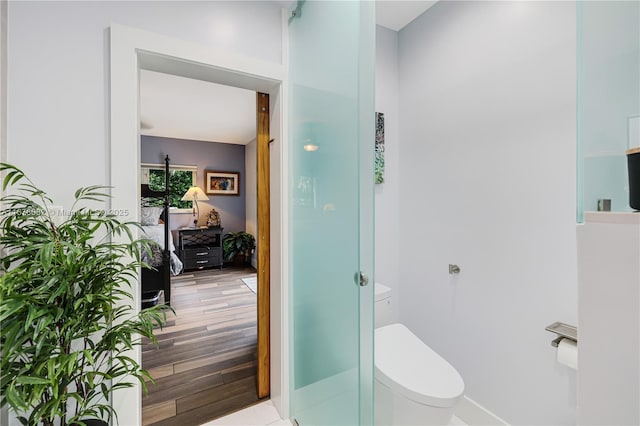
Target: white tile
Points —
{"points": [[280, 423], [456, 422], [261, 414], [265, 414]]}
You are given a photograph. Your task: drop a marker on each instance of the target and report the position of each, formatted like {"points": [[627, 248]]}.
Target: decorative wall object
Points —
{"points": [[213, 219], [379, 159], [222, 183]]}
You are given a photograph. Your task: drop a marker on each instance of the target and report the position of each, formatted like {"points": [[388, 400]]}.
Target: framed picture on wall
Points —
{"points": [[221, 183]]}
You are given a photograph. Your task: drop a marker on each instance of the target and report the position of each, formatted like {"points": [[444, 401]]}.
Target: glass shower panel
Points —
{"points": [[608, 100], [331, 136]]}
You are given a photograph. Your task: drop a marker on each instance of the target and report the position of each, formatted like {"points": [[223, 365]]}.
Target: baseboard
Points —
{"points": [[474, 414]]}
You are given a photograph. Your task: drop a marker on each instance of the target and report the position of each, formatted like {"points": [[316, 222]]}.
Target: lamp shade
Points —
{"points": [[194, 194]]}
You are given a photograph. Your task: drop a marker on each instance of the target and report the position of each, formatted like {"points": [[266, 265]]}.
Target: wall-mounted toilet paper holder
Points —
{"points": [[564, 331]]}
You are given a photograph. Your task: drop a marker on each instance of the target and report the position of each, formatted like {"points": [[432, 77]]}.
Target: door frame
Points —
{"points": [[133, 49], [263, 136]]}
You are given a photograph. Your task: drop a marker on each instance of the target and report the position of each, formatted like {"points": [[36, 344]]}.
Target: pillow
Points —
{"points": [[150, 215]]}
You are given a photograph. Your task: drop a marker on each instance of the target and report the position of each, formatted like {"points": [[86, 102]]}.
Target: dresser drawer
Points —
{"points": [[201, 257], [199, 263], [198, 253]]}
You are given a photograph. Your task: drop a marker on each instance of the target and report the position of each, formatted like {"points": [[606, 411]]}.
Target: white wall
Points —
{"points": [[387, 194], [58, 82], [3, 121], [58, 74], [487, 181], [609, 326], [3, 80], [251, 194]]}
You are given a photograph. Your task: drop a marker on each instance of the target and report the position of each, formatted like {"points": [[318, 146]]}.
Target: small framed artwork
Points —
{"points": [[221, 183]]}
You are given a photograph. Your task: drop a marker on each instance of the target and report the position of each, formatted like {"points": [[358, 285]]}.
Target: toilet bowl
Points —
{"points": [[414, 385]]}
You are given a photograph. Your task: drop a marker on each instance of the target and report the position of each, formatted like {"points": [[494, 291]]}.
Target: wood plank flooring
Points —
{"points": [[205, 362]]}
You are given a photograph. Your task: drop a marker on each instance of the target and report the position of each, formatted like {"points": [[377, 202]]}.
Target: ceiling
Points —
{"points": [[396, 14], [185, 108]]}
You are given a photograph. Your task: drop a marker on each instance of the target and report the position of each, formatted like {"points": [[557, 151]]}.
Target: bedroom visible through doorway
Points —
{"points": [[207, 361]]}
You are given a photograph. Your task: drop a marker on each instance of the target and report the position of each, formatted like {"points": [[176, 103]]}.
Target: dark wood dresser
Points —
{"points": [[200, 247]]}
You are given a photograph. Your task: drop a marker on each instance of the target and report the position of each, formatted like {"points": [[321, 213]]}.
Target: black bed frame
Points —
{"points": [[159, 279]]}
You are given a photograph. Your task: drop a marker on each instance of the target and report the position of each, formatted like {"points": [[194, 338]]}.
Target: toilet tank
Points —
{"points": [[383, 310]]}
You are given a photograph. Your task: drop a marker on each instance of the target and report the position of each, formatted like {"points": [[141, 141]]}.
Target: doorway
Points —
{"points": [[155, 53], [205, 365]]}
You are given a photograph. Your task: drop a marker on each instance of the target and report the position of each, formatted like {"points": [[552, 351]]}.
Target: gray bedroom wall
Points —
{"points": [[206, 156]]}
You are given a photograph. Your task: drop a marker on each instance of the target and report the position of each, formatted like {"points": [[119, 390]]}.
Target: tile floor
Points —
{"points": [[457, 422], [265, 414], [262, 414]]}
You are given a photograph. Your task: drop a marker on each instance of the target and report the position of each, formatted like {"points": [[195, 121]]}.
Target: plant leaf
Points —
{"points": [[29, 380]]}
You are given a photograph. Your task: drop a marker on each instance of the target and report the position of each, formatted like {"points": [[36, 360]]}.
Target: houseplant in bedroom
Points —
{"points": [[65, 325], [238, 246]]}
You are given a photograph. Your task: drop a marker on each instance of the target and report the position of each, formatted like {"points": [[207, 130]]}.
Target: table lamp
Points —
{"points": [[195, 194]]}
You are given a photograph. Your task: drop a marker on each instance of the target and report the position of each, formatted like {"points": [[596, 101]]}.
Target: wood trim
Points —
{"points": [[264, 238]]}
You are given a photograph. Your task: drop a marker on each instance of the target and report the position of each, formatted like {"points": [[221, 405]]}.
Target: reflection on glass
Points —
{"points": [[608, 99]]}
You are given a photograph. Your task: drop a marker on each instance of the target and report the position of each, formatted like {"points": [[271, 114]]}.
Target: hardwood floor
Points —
{"points": [[205, 365]]}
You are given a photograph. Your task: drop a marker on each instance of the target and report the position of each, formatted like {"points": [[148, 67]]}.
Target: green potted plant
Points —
{"points": [[238, 246], [65, 325]]}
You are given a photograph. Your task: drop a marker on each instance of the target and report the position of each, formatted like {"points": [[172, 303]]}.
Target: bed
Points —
{"points": [[160, 254]]}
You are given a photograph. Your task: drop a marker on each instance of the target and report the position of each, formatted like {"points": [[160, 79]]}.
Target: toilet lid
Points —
{"points": [[408, 366]]}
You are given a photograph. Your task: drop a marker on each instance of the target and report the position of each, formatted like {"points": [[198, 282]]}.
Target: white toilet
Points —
{"points": [[414, 385]]}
